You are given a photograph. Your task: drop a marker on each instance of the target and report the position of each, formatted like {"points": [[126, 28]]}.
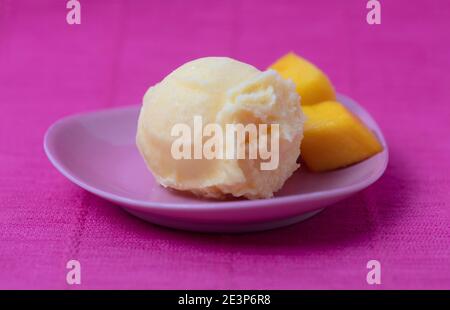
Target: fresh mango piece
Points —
{"points": [[311, 83], [335, 138]]}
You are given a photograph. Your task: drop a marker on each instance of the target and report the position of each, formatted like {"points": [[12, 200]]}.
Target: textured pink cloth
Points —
{"points": [[398, 70]]}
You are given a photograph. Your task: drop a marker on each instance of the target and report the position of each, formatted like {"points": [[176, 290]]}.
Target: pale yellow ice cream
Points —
{"points": [[221, 91]]}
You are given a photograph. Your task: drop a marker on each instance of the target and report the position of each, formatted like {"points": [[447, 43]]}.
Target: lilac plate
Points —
{"points": [[97, 152]]}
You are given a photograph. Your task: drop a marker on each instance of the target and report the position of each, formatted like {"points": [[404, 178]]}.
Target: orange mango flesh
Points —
{"points": [[335, 138], [311, 83]]}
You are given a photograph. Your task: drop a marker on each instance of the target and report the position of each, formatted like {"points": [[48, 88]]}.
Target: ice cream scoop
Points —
{"points": [[222, 92]]}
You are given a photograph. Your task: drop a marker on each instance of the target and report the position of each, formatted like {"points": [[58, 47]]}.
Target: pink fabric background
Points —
{"points": [[399, 71]]}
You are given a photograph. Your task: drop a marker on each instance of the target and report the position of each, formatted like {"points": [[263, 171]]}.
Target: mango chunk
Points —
{"points": [[335, 138], [311, 83]]}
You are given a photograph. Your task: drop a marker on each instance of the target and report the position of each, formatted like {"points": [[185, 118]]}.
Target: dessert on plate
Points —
{"points": [[221, 91], [217, 127]]}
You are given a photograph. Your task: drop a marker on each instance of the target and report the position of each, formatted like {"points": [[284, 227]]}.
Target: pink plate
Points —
{"points": [[97, 152]]}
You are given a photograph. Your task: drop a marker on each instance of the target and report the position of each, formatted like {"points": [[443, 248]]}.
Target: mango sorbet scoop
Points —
{"points": [[221, 92]]}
